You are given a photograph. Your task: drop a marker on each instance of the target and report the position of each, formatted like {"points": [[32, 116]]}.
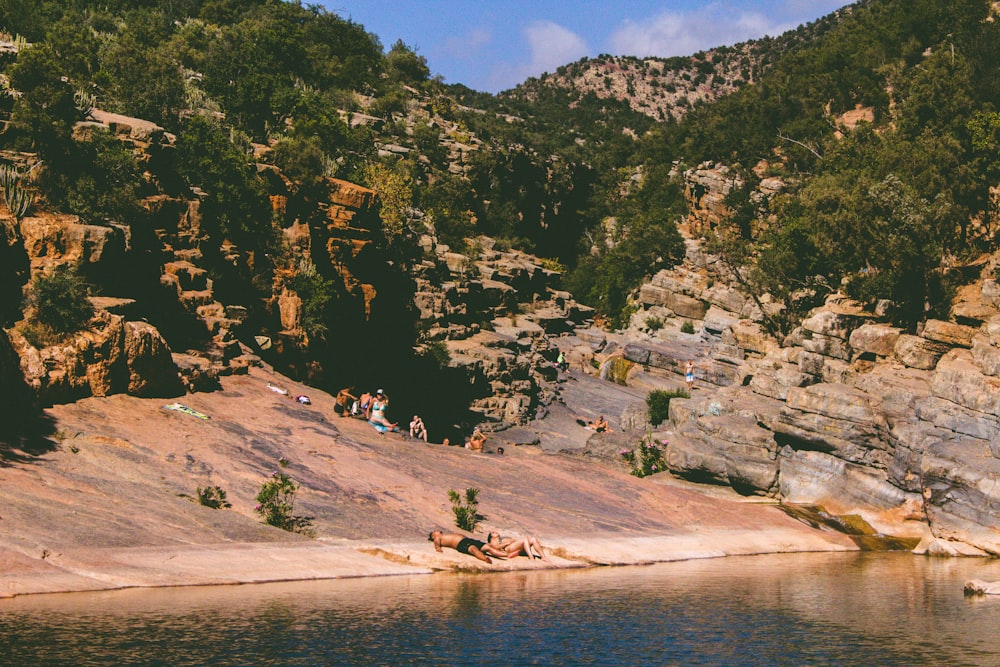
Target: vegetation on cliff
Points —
{"points": [[584, 167]]}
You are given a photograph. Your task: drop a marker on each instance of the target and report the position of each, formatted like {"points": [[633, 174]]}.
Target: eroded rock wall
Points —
{"points": [[847, 411]]}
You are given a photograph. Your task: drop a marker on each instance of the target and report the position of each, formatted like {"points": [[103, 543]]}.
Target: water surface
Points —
{"points": [[815, 609]]}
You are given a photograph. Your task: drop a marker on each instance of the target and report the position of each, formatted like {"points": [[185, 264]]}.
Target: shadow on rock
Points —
{"points": [[26, 438]]}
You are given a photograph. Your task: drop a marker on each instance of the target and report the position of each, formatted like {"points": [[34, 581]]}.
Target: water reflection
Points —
{"points": [[886, 609]]}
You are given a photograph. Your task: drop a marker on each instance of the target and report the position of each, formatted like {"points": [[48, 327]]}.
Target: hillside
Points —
{"points": [[667, 88], [811, 220]]}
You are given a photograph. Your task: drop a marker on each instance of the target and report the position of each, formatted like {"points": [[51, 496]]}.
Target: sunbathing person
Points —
{"points": [[376, 412], [340, 407], [417, 428], [360, 407], [476, 440], [599, 425], [513, 547], [464, 545]]}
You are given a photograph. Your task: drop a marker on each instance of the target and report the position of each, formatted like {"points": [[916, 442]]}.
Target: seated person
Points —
{"points": [[476, 440], [361, 406], [343, 396], [417, 428], [376, 412], [514, 547]]}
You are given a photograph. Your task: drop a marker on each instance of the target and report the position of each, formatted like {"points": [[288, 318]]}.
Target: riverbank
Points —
{"points": [[107, 500]]}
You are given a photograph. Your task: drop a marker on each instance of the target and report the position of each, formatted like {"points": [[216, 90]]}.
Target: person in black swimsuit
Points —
{"points": [[465, 545]]}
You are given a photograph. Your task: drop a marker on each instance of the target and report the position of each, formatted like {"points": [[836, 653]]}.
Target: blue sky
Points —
{"points": [[493, 45]]}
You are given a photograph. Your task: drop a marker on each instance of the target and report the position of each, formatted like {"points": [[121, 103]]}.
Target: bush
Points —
{"points": [[275, 504], [213, 496], [648, 458], [658, 403], [466, 514], [60, 301], [654, 323], [687, 327]]}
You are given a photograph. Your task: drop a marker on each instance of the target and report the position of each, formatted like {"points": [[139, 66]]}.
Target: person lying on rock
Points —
{"points": [[464, 545], [513, 547], [599, 425]]}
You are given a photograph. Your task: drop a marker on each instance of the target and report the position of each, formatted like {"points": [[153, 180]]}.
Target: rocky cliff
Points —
{"points": [[847, 411]]}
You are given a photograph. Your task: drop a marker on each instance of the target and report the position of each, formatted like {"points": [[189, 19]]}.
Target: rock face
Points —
{"points": [[111, 356], [847, 411], [495, 315]]}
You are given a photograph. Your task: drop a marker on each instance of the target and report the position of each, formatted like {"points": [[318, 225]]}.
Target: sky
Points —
{"points": [[493, 45]]}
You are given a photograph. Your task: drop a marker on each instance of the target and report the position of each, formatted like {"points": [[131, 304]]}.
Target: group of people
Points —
{"points": [[372, 408], [495, 545]]}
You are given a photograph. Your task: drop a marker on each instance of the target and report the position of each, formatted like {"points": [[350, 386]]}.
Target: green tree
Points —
{"points": [[235, 204], [59, 300]]}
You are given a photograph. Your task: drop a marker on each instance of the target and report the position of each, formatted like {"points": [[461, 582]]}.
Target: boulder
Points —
{"points": [[948, 333], [917, 352], [150, 363], [877, 339]]}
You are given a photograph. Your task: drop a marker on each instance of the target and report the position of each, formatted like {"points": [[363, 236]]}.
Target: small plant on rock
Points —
{"points": [[654, 323], [213, 496], [648, 458], [467, 514], [687, 327], [275, 504]]}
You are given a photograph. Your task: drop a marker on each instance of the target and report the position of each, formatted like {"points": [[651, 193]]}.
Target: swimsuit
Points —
{"points": [[466, 542]]}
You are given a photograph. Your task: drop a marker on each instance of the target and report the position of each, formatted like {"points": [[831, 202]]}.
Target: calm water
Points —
{"points": [[854, 609]]}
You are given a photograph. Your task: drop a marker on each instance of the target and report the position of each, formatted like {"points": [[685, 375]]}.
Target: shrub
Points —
{"points": [[687, 327], [315, 292], [275, 504], [467, 514], [654, 323], [648, 458], [658, 403], [213, 496], [60, 300]]}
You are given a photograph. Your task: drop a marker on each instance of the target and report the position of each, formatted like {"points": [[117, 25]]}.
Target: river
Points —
{"points": [[794, 609]]}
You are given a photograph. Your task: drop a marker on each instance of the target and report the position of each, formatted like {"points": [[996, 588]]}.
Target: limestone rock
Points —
{"points": [[877, 339], [150, 363], [917, 352], [948, 333]]}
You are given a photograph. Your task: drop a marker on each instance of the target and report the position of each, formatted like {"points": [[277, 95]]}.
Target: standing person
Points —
{"points": [[561, 361], [343, 396], [689, 375], [417, 428]]}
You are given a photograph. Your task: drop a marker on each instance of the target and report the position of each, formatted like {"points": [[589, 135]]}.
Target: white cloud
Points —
{"points": [[467, 46], [676, 34], [549, 46]]}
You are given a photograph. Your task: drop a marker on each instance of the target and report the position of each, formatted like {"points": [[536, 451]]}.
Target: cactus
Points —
{"points": [[84, 102], [19, 200]]}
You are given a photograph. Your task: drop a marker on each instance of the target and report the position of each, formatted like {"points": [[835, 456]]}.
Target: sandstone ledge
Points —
{"points": [[93, 569]]}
